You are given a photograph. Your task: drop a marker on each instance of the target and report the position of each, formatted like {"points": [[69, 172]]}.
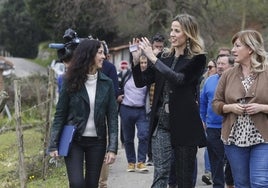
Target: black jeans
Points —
{"points": [[89, 151], [216, 156], [185, 157]]}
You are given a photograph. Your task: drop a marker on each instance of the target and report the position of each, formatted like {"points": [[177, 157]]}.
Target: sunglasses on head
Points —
{"points": [[210, 67]]}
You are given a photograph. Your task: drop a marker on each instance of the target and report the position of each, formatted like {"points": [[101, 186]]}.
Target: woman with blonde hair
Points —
{"points": [[241, 98], [175, 121]]}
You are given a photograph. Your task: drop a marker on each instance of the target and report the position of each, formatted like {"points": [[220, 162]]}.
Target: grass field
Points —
{"points": [[33, 154]]}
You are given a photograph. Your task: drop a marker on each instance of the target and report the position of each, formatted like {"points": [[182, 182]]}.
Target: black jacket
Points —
{"points": [[185, 123], [74, 109]]}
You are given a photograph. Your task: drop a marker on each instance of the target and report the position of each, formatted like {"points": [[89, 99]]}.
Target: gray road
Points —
{"points": [[119, 178], [24, 68]]}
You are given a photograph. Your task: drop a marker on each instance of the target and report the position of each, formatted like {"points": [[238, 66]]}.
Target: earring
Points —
{"points": [[188, 44]]}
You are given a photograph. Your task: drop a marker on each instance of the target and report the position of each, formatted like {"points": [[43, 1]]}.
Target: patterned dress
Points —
{"points": [[244, 133]]}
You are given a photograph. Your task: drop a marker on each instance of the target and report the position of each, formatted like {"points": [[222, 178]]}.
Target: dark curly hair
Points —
{"points": [[80, 64]]}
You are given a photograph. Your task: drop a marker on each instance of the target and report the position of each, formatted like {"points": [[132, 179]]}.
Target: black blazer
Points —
{"points": [[185, 123]]}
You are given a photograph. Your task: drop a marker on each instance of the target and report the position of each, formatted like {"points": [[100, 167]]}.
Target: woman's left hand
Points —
{"points": [[253, 108], [110, 157], [147, 49]]}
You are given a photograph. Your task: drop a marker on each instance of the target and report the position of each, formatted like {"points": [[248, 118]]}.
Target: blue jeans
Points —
{"points": [[207, 163], [249, 165], [88, 151], [129, 118], [216, 156]]}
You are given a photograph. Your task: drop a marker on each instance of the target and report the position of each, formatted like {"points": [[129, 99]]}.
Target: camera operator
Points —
{"points": [[4, 65]]}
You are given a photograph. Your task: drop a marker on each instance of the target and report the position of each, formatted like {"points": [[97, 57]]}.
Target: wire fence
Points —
{"points": [[24, 156]]}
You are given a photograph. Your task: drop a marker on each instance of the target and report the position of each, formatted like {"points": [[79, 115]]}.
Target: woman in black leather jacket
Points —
{"points": [[175, 120], [87, 100]]}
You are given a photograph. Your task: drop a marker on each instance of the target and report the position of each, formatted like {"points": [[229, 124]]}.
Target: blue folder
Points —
{"points": [[66, 139]]}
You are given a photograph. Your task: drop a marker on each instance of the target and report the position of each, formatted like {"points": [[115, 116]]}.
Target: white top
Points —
{"points": [[91, 85]]}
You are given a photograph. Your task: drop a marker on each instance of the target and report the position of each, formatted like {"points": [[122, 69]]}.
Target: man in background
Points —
{"points": [[158, 42], [212, 122], [109, 70]]}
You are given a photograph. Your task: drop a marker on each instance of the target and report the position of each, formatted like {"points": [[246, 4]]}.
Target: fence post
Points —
{"points": [[48, 118], [22, 171]]}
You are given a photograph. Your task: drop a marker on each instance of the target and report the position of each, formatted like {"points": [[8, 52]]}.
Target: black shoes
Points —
{"points": [[206, 179], [149, 162]]}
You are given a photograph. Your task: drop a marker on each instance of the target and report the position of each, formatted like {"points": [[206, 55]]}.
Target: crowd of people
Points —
{"points": [[177, 101]]}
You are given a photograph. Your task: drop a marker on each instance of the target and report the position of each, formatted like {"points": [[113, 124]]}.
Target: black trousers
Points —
{"points": [[185, 157], [228, 174], [87, 153]]}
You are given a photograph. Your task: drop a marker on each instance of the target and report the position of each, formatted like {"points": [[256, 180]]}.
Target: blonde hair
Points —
{"points": [[253, 39], [189, 26]]}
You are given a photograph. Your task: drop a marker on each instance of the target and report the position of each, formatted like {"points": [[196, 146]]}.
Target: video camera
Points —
{"points": [[65, 50]]}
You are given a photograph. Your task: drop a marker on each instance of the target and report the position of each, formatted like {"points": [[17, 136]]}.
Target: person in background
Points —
{"points": [[133, 113], [241, 98], [211, 70], [4, 65], [158, 42], [227, 172], [123, 76], [87, 100], [109, 70], [224, 51], [212, 122], [175, 120]]}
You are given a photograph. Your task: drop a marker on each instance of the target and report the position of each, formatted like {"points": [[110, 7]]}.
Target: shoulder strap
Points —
{"points": [[126, 77]]}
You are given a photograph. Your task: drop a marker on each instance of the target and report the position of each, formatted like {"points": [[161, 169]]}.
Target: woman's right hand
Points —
{"points": [[54, 154], [235, 108], [120, 98]]}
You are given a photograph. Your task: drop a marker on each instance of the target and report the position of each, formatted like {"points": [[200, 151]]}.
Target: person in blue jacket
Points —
{"points": [[213, 122]]}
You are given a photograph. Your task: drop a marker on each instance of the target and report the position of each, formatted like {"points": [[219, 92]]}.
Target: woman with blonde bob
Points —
{"points": [[175, 120], [241, 98]]}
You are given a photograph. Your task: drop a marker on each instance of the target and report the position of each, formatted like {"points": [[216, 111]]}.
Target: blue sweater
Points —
{"points": [[207, 114]]}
